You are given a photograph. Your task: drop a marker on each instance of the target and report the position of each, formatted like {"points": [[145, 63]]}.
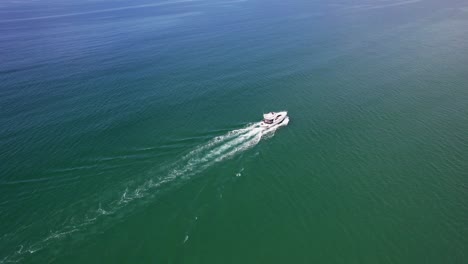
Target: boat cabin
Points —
{"points": [[270, 118]]}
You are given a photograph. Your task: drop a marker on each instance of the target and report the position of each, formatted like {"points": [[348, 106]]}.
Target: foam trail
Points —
{"points": [[214, 150], [194, 162], [221, 148]]}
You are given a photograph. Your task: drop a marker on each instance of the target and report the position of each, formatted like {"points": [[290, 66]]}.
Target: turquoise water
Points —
{"points": [[126, 131]]}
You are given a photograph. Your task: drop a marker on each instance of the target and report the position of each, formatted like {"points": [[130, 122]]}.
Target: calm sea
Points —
{"points": [[127, 131]]}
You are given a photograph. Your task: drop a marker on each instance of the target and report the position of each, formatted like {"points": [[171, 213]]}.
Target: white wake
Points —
{"points": [[221, 148], [194, 162], [202, 157]]}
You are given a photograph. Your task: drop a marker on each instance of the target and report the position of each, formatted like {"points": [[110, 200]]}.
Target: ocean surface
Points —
{"points": [[128, 131]]}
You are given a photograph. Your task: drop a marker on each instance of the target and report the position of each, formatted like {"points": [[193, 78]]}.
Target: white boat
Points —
{"points": [[274, 119]]}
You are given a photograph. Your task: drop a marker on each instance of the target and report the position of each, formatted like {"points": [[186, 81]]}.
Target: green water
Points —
{"points": [[126, 132]]}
